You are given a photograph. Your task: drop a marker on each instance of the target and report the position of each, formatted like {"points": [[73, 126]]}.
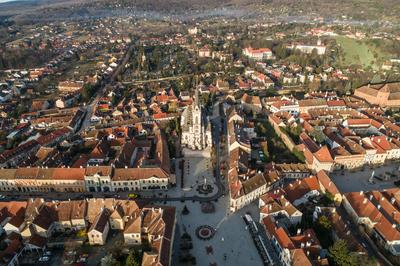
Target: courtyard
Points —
{"points": [[351, 181]]}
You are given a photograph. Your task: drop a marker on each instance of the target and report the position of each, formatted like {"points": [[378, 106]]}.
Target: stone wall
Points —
{"points": [[285, 138]]}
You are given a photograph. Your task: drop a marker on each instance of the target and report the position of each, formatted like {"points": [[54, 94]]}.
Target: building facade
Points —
{"points": [[196, 131]]}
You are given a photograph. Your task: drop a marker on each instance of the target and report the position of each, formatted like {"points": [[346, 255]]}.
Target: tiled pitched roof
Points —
{"points": [[299, 188], [327, 183]]}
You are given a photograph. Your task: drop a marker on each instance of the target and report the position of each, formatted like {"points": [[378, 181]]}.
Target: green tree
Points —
{"points": [[324, 223], [340, 254], [88, 91], [133, 259], [318, 135]]}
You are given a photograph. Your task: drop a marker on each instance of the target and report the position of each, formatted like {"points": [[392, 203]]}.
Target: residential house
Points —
{"points": [[98, 231]]}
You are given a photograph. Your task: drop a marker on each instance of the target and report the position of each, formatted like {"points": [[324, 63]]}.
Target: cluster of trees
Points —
{"points": [[25, 57], [339, 253], [167, 60], [133, 259], [88, 91], [277, 150]]}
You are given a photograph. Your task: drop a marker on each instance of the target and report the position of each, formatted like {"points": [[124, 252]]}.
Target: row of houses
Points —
{"points": [[336, 136], [282, 209], [36, 221], [89, 179], [378, 212]]}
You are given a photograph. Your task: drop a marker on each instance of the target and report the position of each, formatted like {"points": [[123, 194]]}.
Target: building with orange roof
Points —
{"points": [[69, 179], [287, 105], [373, 155], [317, 158], [387, 145], [258, 54], [279, 207], [337, 104], [326, 185], [309, 104], [146, 169], [386, 95], [301, 249], [302, 190], [378, 214]]}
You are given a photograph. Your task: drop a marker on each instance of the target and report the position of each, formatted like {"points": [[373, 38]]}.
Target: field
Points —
{"points": [[360, 52]]}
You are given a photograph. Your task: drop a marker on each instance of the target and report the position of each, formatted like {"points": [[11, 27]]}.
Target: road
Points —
{"points": [[156, 80], [105, 84]]}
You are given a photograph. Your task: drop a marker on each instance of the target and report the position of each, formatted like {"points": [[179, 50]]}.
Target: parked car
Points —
{"points": [[44, 259], [133, 196]]}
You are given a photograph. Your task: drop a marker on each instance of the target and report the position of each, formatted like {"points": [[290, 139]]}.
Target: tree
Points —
{"points": [[132, 259], [88, 91], [324, 223], [108, 260], [340, 255], [318, 135]]}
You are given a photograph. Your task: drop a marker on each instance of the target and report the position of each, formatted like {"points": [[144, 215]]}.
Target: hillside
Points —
{"points": [[187, 9]]}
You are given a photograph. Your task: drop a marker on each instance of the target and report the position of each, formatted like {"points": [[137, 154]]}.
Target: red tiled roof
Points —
{"points": [[336, 103], [323, 155], [299, 188], [362, 206], [327, 183], [279, 233]]}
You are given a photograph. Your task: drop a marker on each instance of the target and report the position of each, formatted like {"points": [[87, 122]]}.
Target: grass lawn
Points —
{"points": [[278, 152], [360, 52]]}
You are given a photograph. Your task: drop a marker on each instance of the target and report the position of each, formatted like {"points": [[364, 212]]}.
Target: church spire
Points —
{"points": [[196, 94]]}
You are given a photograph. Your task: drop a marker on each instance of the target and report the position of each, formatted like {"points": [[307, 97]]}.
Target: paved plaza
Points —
{"points": [[350, 181], [231, 238], [197, 171]]}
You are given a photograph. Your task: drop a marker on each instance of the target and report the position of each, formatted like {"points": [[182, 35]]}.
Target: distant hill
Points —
{"points": [[61, 9]]}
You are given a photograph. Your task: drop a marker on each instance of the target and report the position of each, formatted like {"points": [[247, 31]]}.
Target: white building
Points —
{"points": [[98, 232], [258, 54], [308, 49], [196, 131]]}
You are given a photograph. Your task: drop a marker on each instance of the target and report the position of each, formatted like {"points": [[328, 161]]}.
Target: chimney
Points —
{"points": [[392, 200], [365, 201]]}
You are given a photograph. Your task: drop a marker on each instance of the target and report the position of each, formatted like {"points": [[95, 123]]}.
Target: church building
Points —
{"points": [[196, 131]]}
